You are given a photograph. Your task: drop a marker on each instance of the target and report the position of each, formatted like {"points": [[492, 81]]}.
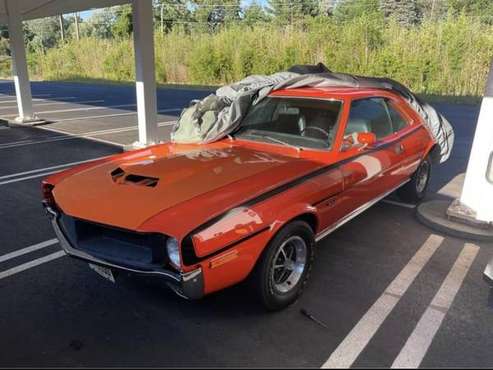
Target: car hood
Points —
{"points": [[128, 191]]}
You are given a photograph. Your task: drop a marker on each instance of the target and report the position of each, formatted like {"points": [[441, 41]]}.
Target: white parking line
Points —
{"points": [[111, 115], [419, 342], [92, 135], [87, 135], [55, 102], [3, 96], [355, 342], [59, 99], [42, 174], [78, 109], [87, 118], [17, 144], [27, 250], [105, 141], [6, 96], [31, 264], [61, 166]]}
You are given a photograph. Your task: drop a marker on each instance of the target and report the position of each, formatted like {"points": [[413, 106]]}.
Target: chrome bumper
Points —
{"points": [[187, 285]]}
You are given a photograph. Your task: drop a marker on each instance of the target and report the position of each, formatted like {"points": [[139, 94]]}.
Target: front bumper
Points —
{"points": [[188, 285]]}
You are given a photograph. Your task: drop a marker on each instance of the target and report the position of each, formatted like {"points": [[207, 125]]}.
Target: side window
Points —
{"points": [[398, 121], [369, 115]]}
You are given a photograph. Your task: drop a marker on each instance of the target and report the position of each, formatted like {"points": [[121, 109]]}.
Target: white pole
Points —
{"points": [[145, 71], [19, 64], [162, 18], [62, 29], [77, 29], [477, 193]]}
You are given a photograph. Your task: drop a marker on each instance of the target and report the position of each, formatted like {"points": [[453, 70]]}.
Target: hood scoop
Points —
{"points": [[119, 176]]}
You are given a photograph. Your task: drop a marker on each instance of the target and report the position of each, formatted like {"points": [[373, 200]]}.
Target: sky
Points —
{"points": [[88, 13]]}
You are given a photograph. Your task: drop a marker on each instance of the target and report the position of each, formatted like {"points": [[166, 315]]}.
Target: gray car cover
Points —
{"points": [[220, 114]]}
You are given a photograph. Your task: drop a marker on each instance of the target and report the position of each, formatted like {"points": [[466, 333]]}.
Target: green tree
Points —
{"points": [[289, 11], [215, 13], [172, 12], [347, 10], [122, 25], [255, 13], [99, 24], [433, 9], [476, 8], [406, 12], [44, 33], [4, 41]]}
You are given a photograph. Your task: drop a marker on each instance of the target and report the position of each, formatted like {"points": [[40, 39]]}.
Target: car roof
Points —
{"points": [[333, 92]]}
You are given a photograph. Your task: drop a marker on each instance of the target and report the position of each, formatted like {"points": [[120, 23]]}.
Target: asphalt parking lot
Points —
{"points": [[385, 290]]}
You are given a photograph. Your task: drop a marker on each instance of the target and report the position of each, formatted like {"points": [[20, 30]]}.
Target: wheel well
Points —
{"points": [[310, 219], [434, 153]]}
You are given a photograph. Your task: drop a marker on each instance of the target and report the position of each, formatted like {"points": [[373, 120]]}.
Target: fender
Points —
{"points": [[235, 262], [292, 212]]}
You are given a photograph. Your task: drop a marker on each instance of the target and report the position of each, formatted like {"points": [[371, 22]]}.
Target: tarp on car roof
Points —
{"points": [[220, 114]]}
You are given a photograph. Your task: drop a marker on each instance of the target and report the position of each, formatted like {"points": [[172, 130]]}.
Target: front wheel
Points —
{"points": [[415, 190], [283, 269]]}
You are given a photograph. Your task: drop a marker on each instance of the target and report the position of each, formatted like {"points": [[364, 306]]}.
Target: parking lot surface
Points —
{"points": [[385, 290]]}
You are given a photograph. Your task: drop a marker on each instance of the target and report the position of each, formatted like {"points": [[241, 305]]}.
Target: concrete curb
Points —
{"points": [[433, 214]]}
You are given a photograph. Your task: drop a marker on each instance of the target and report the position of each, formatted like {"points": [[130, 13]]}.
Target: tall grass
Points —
{"points": [[449, 57]]}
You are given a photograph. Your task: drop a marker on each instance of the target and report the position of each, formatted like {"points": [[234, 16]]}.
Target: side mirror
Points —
{"points": [[359, 140], [366, 138]]}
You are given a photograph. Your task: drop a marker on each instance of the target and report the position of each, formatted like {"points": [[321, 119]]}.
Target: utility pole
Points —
{"points": [[162, 17], [77, 30], [432, 9], [62, 30]]}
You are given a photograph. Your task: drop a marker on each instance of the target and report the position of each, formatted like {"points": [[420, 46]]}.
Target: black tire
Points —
{"points": [[263, 278], [415, 190]]}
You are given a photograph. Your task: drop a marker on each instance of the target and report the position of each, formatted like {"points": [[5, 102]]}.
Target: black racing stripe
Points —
{"points": [[188, 251]]}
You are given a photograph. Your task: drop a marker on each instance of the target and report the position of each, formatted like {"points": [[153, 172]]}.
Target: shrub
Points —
{"points": [[450, 56]]}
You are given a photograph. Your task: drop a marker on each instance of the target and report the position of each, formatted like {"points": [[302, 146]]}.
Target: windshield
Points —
{"points": [[298, 122]]}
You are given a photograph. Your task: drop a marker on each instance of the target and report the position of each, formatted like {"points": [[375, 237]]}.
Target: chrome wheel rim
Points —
{"points": [[289, 264], [422, 177]]}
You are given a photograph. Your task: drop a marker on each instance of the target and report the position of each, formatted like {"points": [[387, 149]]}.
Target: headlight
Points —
{"points": [[173, 252]]}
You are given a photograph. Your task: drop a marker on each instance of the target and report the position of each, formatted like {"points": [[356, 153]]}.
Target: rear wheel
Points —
{"points": [[415, 190], [283, 269]]}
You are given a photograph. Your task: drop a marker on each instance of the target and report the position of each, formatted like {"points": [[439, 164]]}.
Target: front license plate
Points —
{"points": [[103, 271]]}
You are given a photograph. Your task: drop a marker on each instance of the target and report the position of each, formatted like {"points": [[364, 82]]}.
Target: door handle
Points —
{"points": [[399, 148]]}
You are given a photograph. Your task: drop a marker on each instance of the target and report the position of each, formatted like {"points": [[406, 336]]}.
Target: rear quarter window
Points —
{"points": [[398, 120]]}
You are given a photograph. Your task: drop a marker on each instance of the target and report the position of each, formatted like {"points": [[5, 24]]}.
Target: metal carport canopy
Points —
{"points": [[13, 12]]}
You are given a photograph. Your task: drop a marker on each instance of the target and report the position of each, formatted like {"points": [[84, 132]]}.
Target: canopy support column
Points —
{"points": [[145, 71], [470, 216], [477, 193], [19, 64]]}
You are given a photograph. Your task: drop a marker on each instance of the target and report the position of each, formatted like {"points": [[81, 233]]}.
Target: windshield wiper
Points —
{"points": [[282, 142], [278, 141]]}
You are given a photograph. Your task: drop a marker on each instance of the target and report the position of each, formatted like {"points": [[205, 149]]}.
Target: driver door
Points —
{"points": [[369, 172]]}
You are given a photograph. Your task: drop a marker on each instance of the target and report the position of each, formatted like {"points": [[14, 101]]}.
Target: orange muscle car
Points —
{"points": [[253, 205]]}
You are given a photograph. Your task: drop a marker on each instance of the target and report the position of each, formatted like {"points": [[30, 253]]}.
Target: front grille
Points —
{"points": [[123, 247]]}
